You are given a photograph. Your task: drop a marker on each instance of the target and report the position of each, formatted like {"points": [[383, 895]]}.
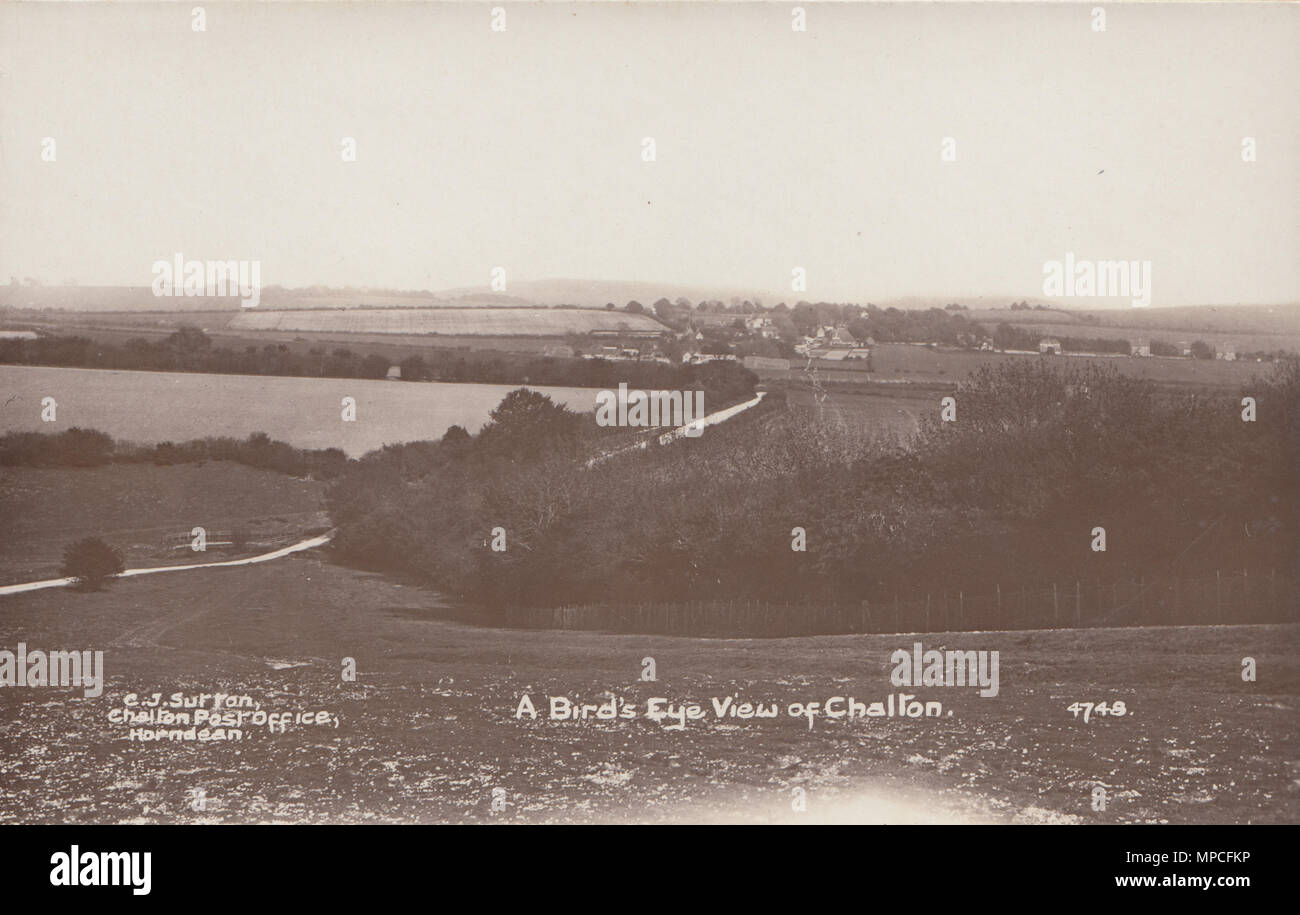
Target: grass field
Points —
{"points": [[892, 413], [149, 407], [1283, 320], [918, 363], [145, 511], [1236, 341], [428, 729]]}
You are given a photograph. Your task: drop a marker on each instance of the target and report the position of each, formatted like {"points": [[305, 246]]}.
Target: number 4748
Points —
{"points": [[1102, 709]]}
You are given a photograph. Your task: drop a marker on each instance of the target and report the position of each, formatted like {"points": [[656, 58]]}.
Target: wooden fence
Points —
{"points": [[1221, 599]]}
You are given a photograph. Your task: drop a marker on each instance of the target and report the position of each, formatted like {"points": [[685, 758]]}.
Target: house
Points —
{"points": [[394, 373], [1227, 354], [1141, 348], [1050, 345], [840, 337], [1184, 347]]}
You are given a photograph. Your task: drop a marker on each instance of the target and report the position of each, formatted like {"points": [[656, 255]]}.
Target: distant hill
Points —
{"points": [[973, 302], [596, 293], [141, 298]]}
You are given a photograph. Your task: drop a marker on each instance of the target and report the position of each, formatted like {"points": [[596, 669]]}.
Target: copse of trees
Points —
{"points": [[1009, 336], [1007, 495]]}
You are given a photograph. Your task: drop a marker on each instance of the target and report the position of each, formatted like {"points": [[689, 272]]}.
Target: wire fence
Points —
{"points": [[1221, 599]]}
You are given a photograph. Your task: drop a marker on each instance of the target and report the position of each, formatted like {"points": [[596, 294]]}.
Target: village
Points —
{"points": [[783, 338]]}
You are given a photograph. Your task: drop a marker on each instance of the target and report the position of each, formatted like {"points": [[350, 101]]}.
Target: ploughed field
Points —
{"points": [[544, 322], [428, 731]]}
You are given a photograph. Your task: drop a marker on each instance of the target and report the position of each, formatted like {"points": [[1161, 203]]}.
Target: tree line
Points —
{"points": [[189, 349], [77, 447]]}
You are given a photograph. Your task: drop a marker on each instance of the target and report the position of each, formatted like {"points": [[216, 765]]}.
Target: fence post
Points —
{"points": [[927, 611], [1078, 613], [1218, 594], [1056, 608], [961, 607]]}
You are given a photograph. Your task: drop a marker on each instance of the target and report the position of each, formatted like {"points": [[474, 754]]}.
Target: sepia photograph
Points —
{"points": [[650, 413]]}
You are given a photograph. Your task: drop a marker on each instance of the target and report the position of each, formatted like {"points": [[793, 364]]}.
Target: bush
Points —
{"points": [[92, 562]]}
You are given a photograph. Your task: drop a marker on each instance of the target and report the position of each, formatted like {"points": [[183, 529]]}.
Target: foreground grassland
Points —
{"points": [[146, 511], [428, 730]]}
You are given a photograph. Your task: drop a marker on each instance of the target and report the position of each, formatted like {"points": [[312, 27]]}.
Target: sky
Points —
{"points": [[774, 149]]}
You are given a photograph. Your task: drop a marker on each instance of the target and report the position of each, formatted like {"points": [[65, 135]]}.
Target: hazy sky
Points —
{"points": [[774, 148]]}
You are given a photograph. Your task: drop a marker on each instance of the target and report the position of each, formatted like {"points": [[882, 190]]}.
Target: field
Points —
{"points": [[538, 322], [911, 364], [146, 511], [149, 407], [894, 414], [901, 361], [1281, 320], [1238, 342], [428, 729], [1247, 328]]}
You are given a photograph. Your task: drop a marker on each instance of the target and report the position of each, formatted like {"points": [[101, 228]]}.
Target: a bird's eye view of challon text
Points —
{"points": [[427, 423]]}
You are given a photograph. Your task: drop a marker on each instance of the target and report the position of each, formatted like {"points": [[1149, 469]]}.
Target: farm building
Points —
{"points": [[394, 373], [1141, 348], [1050, 345]]}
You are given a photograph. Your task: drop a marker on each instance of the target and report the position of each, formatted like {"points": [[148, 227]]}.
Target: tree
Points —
{"points": [[634, 307], [374, 366], [189, 339], [455, 435], [414, 368], [1202, 350], [528, 423], [92, 562]]}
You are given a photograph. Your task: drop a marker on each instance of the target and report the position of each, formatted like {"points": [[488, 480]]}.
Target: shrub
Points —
{"points": [[92, 562]]}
